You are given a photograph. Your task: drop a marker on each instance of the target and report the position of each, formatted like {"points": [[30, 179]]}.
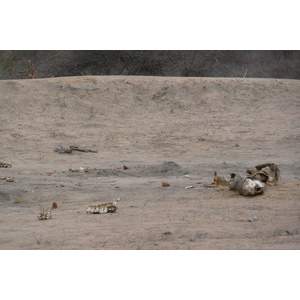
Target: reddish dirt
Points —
{"points": [[161, 129]]}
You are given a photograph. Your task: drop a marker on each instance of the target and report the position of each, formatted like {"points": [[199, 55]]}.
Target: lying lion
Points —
{"points": [[252, 184], [246, 186], [267, 173]]}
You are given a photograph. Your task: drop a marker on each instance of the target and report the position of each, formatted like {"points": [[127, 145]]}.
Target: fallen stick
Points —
{"points": [[209, 186], [70, 149], [38, 133], [75, 148]]}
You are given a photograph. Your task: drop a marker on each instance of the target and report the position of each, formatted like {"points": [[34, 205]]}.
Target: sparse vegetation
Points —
{"points": [[17, 201], [39, 239], [267, 64]]}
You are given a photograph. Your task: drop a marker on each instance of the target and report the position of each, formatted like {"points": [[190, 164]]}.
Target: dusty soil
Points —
{"points": [[161, 129]]}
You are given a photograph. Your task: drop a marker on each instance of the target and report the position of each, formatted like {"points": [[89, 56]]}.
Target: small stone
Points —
{"points": [[167, 233], [252, 219], [189, 187]]}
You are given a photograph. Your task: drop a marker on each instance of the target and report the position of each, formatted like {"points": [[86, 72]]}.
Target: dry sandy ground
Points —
{"points": [[162, 129]]}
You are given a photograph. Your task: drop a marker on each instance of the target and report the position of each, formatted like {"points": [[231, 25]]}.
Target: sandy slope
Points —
{"points": [[196, 125]]}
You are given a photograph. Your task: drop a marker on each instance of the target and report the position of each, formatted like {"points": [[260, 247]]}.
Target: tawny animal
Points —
{"points": [[267, 173], [221, 182], [5, 165], [246, 186], [45, 214], [109, 207]]}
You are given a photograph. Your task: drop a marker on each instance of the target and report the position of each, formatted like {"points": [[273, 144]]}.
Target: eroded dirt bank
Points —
{"points": [[161, 129]]}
